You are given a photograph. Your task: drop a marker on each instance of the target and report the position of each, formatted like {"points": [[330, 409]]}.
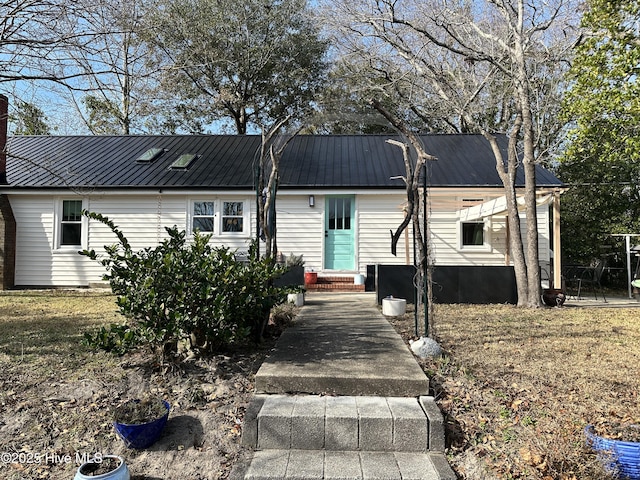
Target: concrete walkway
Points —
{"points": [[588, 300], [342, 345], [342, 397]]}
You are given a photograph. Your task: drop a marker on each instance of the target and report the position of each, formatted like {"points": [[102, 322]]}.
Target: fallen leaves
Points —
{"points": [[518, 386], [58, 398]]}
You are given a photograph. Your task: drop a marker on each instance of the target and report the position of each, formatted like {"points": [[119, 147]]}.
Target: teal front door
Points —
{"points": [[339, 246]]}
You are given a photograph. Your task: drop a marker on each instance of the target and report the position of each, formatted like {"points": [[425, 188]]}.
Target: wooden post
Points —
{"points": [[507, 255], [557, 252]]}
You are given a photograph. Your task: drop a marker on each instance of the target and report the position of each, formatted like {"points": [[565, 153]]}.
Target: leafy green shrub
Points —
{"points": [[118, 339], [184, 291]]}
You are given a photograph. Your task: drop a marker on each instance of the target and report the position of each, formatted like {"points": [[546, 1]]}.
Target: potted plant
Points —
{"points": [[618, 448], [553, 297], [105, 467], [295, 295], [140, 422], [294, 273]]}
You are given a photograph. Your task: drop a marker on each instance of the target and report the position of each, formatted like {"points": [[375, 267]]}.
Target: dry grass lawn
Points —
{"points": [[518, 386], [57, 397]]}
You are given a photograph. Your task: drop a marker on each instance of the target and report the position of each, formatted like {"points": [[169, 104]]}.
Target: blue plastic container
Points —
{"points": [[142, 435], [620, 458]]}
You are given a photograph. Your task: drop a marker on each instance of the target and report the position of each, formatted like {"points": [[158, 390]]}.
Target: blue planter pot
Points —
{"points": [[120, 472], [620, 458], [142, 435]]}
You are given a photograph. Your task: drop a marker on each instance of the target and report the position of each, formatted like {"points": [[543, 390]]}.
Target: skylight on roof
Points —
{"points": [[150, 155], [183, 161]]}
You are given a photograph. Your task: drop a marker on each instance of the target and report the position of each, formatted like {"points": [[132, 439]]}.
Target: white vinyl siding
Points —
{"points": [[39, 261], [377, 215], [300, 228], [143, 219]]}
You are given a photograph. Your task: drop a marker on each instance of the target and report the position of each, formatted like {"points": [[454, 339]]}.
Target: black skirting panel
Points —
{"points": [[452, 284]]}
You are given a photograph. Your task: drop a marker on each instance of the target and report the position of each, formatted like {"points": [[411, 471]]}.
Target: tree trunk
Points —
{"points": [[523, 100], [267, 183], [508, 177]]}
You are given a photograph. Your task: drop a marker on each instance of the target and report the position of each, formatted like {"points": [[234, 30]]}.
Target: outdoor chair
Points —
{"points": [[588, 276]]}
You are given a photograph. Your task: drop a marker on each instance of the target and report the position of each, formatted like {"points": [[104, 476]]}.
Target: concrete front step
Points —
{"points": [[322, 464], [347, 423]]}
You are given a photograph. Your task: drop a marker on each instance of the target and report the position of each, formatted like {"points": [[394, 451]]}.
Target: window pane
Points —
{"points": [[150, 155], [232, 224], [203, 208], [233, 208], [473, 234], [72, 210], [184, 161], [71, 234], [204, 224], [332, 214], [347, 214]]}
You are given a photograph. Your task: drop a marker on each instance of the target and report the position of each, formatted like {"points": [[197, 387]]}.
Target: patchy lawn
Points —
{"points": [[57, 397], [518, 386]]}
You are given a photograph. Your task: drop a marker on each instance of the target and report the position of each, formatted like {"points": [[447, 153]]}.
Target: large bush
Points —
{"points": [[184, 291]]}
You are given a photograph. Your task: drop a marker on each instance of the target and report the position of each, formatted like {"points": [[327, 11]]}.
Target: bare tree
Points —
{"points": [[273, 144], [473, 65], [37, 38], [413, 170], [114, 93]]}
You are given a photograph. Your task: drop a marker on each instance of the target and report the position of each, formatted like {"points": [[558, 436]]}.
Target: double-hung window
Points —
{"points": [[219, 217], [203, 219], [71, 223], [233, 217]]}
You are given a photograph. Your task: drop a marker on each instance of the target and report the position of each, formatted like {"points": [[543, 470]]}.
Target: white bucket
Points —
{"points": [[358, 280], [394, 307]]}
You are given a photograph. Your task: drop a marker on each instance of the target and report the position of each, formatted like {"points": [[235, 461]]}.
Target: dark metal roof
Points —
{"points": [[226, 162]]}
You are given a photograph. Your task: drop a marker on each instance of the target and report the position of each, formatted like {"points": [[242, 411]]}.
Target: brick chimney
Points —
{"points": [[7, 220]]}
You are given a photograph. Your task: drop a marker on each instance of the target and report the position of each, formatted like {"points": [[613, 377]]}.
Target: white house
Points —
{"points": [[338, 199]]}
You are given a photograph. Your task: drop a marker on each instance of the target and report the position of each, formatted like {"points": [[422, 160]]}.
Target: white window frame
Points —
{"points": [[218, 224], [470, 201], [57, 227], [246, 217], [486, 238], [192, 216]]}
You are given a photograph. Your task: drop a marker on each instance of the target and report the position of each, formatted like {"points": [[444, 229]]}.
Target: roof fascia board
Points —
{"points": [[172, 191], [458, 190], [122, 192]]}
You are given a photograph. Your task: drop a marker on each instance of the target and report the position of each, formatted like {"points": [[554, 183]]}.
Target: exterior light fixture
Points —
{"points": [[312, 201]]}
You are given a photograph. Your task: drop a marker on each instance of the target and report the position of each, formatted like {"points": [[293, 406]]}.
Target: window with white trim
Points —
{"points": [[203, 218], [71, 223], [472, 234], [233, 214]]}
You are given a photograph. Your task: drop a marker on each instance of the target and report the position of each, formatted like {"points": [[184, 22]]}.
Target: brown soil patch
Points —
{"points": [[518, 387], [58, 398]]}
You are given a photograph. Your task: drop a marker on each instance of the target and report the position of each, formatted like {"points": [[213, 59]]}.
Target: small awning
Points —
{"points": [[497, 206]]}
